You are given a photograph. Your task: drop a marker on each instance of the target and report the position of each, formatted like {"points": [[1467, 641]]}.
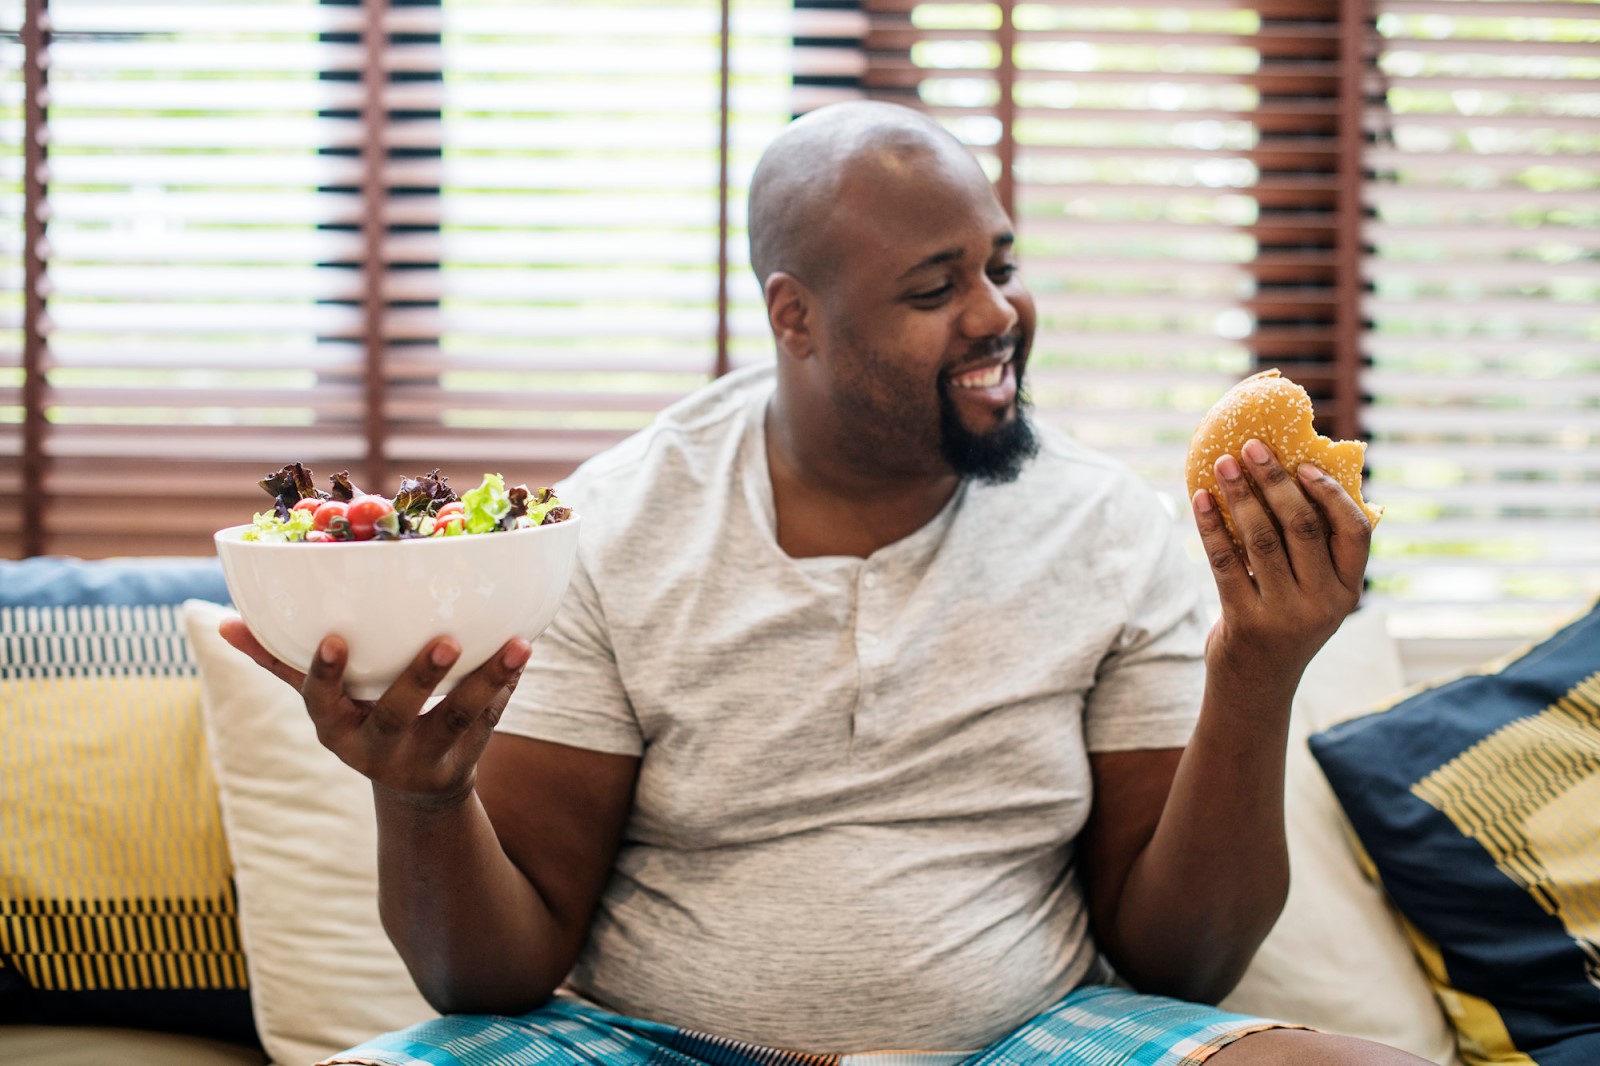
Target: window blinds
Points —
{"points": [[1172, 170], [1482, 258], [586, 241], [1396, 203], [377, 235], [391, 234], [199, 323]]}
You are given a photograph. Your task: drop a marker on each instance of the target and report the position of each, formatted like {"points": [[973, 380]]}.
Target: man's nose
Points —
{"points": [[989, 313]]}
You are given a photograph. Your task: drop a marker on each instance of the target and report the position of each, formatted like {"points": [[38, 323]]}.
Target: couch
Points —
{"points": [[304, 967]]}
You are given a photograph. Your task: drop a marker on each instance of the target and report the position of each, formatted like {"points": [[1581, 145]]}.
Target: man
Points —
{"points": [[869, 721]]}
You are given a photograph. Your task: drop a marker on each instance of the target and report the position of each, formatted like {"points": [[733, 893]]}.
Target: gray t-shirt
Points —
{"points": [[861, 778]]}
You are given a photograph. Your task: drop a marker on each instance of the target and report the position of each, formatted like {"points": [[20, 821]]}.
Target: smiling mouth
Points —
{"points": [[984, 377]]}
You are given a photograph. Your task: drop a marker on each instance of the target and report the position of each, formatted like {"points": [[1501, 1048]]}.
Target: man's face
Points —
{"points": [[928, 325]]}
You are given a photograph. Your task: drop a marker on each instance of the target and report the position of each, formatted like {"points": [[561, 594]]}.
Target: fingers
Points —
{"points": [[398, 707], [1263, 546], [323, 688], [1350, 536], [476, 701], [475, 704], [1299, 526], [1227, 565], [235, 632]]}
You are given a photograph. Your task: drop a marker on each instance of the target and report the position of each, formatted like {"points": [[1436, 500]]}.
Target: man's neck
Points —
{"points": [[827, 507]]}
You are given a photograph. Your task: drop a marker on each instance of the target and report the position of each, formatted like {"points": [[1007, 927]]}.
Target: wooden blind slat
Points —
{"points": [[1489, 9]]}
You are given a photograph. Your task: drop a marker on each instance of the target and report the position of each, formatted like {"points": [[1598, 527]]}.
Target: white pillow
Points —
{"points": [[1337, 959], [303, 836]]}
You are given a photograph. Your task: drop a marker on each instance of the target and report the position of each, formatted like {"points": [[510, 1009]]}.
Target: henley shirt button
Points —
{"points": [[868, 640], [870, 580]]}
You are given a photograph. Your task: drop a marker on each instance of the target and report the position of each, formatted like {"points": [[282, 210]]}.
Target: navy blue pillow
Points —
{"points": [[1477, 803], [55, 581]]}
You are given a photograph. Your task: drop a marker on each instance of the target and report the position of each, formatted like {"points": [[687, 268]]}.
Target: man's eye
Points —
{"points": [[1003, 272], [933, 294]]}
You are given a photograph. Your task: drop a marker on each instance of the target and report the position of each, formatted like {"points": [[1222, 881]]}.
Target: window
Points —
{"points": [[1399, 205], [593, 258], [391, 234], [375, 236], [1482, 369], [198, 314]]}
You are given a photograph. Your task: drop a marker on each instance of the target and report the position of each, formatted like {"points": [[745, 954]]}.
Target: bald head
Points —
{"points": [[810, 167]]}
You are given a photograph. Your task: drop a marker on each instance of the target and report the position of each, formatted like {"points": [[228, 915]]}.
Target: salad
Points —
{"points": [[424, 507]]}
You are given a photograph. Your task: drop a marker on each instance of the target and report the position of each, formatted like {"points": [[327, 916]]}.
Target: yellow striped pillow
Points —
{"points": [[117, 903]]}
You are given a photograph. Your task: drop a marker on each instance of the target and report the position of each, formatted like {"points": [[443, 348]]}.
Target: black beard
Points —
{"points": [[995, 457]]}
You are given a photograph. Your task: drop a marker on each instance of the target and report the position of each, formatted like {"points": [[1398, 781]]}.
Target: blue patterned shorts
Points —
{"points": [[1092, 1026]]}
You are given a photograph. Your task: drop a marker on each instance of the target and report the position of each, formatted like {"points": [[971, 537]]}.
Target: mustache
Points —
{"points": [[991, 348], [995, 346]]}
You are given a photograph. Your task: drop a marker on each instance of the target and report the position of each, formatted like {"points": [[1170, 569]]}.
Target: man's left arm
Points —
{"points": [[1184, 856]]}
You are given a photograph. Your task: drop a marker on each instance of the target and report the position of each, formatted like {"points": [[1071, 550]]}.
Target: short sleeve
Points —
{"points": [[571, 691], [1147, 690]]}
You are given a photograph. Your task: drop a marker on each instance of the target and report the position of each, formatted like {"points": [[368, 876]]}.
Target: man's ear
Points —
{"points": [[791, 311]]}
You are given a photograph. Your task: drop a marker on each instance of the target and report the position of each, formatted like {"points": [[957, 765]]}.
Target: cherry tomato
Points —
{"points": [[325, 514], [317, 536], [453, 507], [449, 524], [307, 503], [363, 515]]}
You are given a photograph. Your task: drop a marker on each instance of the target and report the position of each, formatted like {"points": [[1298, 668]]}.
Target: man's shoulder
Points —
{"points": [[1067, 477], [687, 447], [1060, 452], [1066, 468]]}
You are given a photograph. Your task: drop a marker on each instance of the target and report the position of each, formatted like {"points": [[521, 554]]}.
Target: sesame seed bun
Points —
{"points": [[1277, 412]]}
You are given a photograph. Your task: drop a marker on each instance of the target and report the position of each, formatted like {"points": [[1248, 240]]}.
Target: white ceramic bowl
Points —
{"points": [[389, 598]]}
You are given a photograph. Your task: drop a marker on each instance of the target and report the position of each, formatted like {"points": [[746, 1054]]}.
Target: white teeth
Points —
{"points": [[981, 379]]}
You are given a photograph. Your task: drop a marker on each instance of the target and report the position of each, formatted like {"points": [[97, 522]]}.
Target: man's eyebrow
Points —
{"points": [[949, 255]]}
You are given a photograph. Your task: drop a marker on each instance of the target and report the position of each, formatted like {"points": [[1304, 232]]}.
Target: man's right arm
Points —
{"points": [[493, 850], [489, 898]]}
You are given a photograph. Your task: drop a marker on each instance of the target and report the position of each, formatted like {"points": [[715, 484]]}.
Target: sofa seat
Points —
{"points": [[54, 1045], [306, 875]]}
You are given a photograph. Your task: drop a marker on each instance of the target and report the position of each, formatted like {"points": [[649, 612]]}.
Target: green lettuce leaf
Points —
{"points": [[270, 529], [487, 504]]}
